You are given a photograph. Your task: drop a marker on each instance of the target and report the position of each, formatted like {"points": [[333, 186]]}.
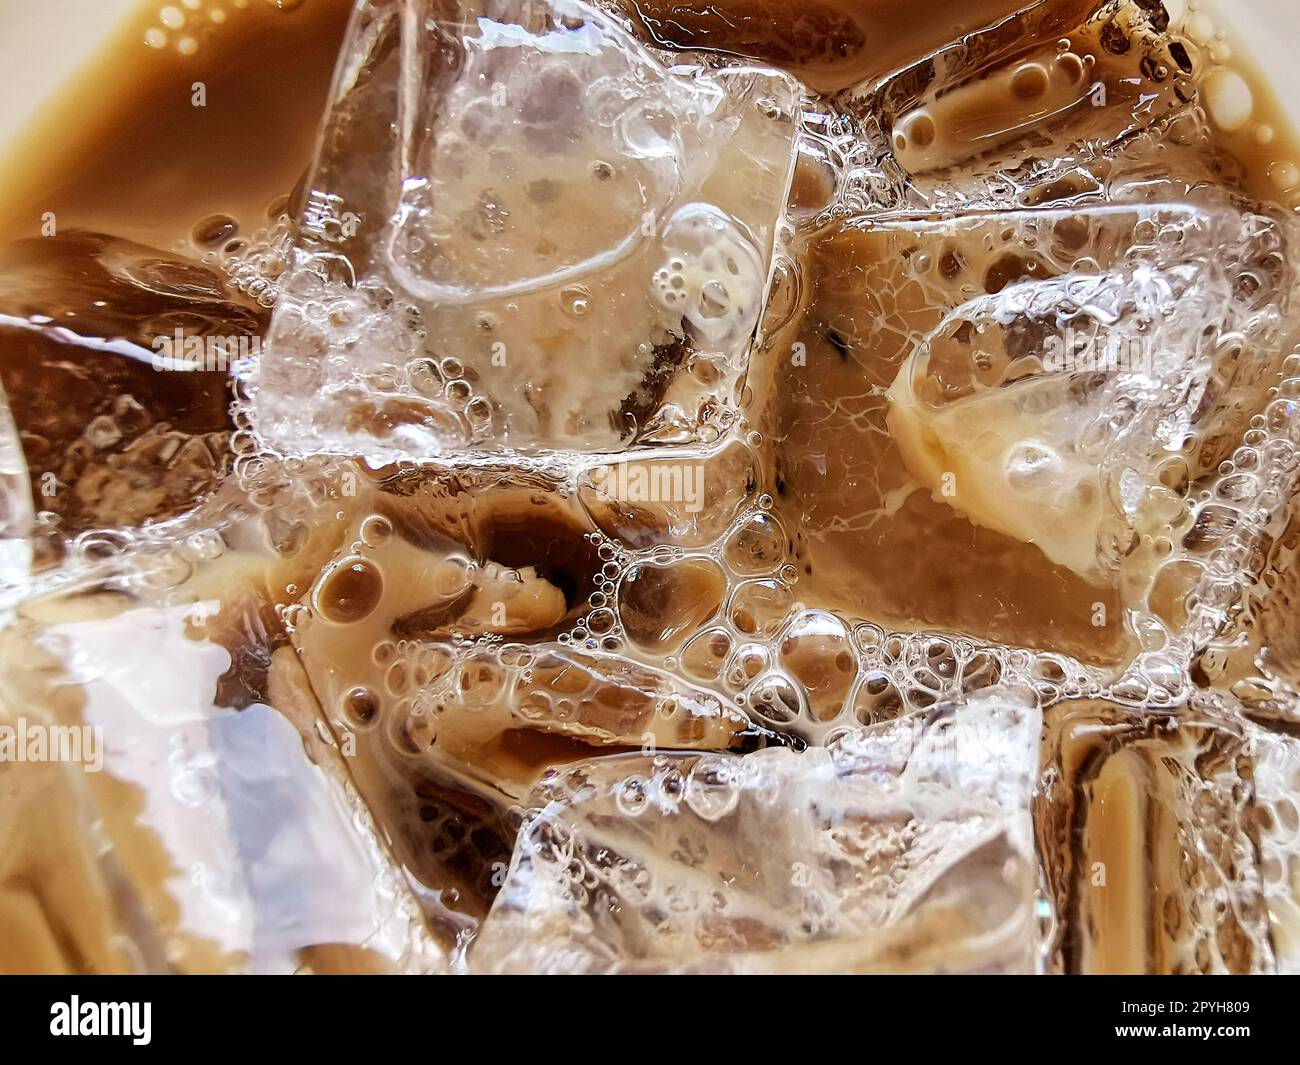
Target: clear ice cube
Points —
{"points": [[1025, 110], [562, 243], [1276, 779], [1037, 395], [1042, 412], [218, 845], [92, 330], [1145, 823], [900, 847]]}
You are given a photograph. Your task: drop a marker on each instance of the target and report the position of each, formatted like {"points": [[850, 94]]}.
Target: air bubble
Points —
{"points": [[1229, 100], [632, 796], [376, 530], [349, 591], [1029, 81], [360, 707], [713, 787], [576, 300]]}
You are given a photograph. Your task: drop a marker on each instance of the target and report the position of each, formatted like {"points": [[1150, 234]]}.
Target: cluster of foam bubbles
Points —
{"points": [[419, 401], [712, 597], [699, 631], [1276, 778], [713, 276], [1257, 653], [253, 262]]}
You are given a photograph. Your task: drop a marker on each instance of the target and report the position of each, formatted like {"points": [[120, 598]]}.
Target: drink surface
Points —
{"points": [[655, 486]]}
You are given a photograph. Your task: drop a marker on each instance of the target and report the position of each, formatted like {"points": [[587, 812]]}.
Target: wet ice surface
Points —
{"points": [[108, 440], [904, 847], [1048, 406], [706, 623], [1145, 830], [566, 245], [999, 118], [946, 379], [231, 849], [1168, 840], [1277, 779]]}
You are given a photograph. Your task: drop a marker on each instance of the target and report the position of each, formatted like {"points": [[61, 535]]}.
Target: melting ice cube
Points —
{"points": [[902, 847], [564, 244]]}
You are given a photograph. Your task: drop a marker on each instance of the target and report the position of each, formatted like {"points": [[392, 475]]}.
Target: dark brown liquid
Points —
{"points": [[101, 226]]}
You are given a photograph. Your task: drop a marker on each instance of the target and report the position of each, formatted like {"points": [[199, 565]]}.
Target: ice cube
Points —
{"points": [[564, 243], [1257, 654], [1275, 761], [1131, 344], [188, 837], [116, 358], [1034, 411], [1027, 110], [1117, 71], [1145, 826], [902, 847], [835, 45]]}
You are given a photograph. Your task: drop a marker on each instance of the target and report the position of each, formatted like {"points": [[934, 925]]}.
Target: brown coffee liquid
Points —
{"points": [[147, 142], [836, 44], [178, 165], [155, 156]]}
